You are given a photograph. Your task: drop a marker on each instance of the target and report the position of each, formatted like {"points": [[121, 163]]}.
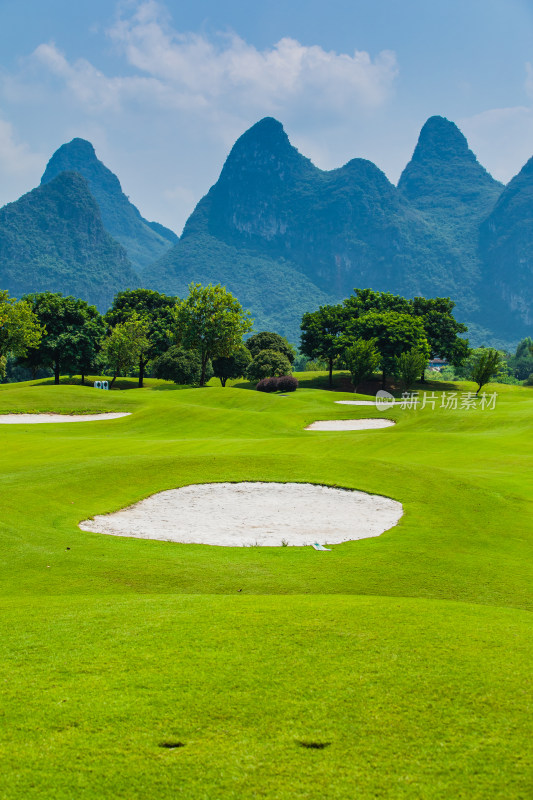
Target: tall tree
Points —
{"points": [[156, 312], [211, 321], [74, 331], [485, 364], [362, 359], [441, 329], [233, 366], [267, 340], [323, 335], [395, 333], [122, 347], [19, 328]]}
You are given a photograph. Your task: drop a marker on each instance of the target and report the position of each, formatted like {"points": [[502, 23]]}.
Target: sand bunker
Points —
{"points": [[359, 402], [37, 419], [349, 424], [246, 514]]}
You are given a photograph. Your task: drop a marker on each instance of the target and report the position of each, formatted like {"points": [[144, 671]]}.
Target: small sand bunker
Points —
{"points": [[37, 419], [247, 514], [349, 424], [358, 402]]}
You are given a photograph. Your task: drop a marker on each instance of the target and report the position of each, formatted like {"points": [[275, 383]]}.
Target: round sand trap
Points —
{"points": [[247, 514], [349, 424], [358, 402], [37, 419]]}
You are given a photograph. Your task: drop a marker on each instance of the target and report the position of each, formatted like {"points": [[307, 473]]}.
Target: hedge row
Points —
{"points": [[285, 383]]}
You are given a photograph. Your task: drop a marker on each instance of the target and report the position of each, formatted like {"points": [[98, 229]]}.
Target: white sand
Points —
{"points": [[237, 514], [349, 424], [35, 419], [359, 402]]}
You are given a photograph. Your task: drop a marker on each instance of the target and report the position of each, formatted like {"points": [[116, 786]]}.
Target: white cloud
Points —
{"points": [[16, 158], [223, 76], [228, 69], [501, 138]]}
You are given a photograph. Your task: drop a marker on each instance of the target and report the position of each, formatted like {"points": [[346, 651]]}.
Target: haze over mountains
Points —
{"points": [[285, 236]]}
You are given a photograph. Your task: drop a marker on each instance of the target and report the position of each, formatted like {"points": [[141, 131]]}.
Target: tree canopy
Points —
{"points": [[123, 346], [267, 340], [233, 366], [268, 364], [73, 333], [19, 328], [324, 334], [155, 310], [395, 333], [211, 321]]}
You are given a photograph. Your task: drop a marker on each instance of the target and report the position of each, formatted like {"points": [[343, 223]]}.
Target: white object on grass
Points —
{"points": [[35, 419], [237, 514], [320, 547], [349, 424]]}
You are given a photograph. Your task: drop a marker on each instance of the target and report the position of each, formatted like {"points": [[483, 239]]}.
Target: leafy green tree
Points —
{"points": [[233, 366], [324, 335], [179, 365], [364, 300], [122, 347], [441, 329], [74, 332], [157, 313], [486, 364], [268, 364], [521, 363], [395, 333], [211, 321], [362, 359], [19, 328], [409, 366], [267, 340]]}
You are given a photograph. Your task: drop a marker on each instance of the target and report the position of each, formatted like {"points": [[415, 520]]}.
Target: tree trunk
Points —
{"points": [[82, 378], [142, 364], [56, 372], [330, 373], [204, 368], [223, 381], [113, 381], [423, 376], [384, 380]]}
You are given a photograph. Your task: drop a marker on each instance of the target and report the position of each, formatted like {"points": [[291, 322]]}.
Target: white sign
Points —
{"points": [[101, 384]]}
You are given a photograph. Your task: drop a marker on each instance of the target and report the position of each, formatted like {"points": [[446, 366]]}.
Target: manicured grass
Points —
{"points": [[409, 653]]}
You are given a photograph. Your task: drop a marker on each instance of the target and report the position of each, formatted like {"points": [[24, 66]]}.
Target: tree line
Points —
{"points": [[373, 329], [190, 340], [46, 330]]}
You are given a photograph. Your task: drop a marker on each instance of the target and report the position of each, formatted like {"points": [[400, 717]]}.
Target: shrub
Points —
{"points": [[362, 359], [268, 364], [268, 385], [267, 340], [234, 366], [287, 383], [529, 381], [181, 366], [409, 366]]}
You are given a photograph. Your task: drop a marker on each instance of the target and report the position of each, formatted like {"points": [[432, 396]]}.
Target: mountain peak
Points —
{"points": [[143, 241], [441, 139], [444, 169]]}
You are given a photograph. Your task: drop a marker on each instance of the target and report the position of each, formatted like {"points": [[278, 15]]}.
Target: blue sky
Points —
{"points": [[163, 89]]}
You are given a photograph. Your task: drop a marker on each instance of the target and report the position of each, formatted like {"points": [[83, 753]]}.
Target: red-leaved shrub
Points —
{"points": [[267, 385], [287, 383]]}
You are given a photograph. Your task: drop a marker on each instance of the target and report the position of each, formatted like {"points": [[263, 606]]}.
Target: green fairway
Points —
{"points": [[408, 656]]}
